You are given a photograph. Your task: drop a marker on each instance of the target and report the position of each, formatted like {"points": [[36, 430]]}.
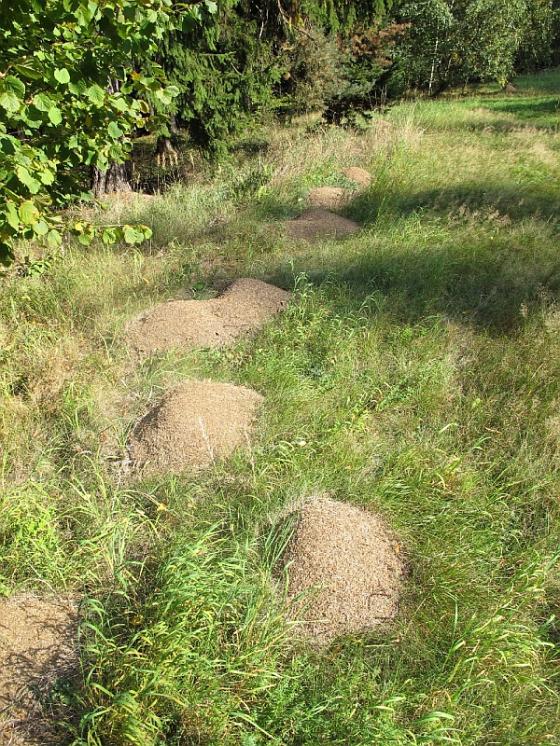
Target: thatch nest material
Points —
{"points": [[193, 425], [38, 646], [344, 570], [248, 304], [358, 175], [328, 197], [245, 307], [317, 223]]}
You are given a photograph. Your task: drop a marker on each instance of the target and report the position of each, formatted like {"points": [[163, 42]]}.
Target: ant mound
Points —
{"points": [[246, 306], [178, 323], [358, 175], [38, 646], [344, 574], [194, 424], [328, 197], [318, 223]]}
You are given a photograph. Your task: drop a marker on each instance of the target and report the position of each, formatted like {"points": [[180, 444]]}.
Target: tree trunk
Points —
{"points": [[165, 152], [166, 155], [433, 70], [114, 179]]}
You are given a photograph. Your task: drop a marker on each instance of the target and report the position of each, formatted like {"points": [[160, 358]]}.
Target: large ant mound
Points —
{"points": [[317, 223], [178, 323], [358, 175], [194, 424], [246, 306], [38, 646], [328, 197], [344, 574]]}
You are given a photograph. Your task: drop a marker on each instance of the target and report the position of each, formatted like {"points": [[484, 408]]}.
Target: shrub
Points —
{"points": [[457, 43], [313, 71]]}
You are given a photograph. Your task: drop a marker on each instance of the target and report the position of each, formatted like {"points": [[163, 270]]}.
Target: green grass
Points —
{"points": [[417, 373]]}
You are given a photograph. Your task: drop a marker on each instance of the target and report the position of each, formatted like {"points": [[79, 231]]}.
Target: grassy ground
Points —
{"points": [[417, 373]]}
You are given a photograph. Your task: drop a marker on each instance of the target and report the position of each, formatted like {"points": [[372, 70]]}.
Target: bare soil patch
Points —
{"points": [[38, 646], [328, 197], [193, 425], [245, 307], [317, 223], [358, 175], [344, 570]]}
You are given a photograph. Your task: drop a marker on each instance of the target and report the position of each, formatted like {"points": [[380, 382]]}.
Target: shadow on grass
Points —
{"points": [[481, 280], [522, 112], [527, 109], [511, 201], [540, 82], [526, 112], [483, 291]]}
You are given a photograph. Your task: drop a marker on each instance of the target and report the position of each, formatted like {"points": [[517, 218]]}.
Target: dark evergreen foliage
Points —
{"points": [[341, 56]]}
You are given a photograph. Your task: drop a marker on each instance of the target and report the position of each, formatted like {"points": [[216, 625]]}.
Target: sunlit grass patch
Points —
{"points": [[416, 373]]}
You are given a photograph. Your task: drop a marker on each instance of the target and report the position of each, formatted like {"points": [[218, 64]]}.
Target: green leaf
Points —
{"points": [[47, 177], [54, 238], [162, 95], [15, 85], [28, 213], [12, 216], [28, 72], [114, 130], [96, 94], [55, 115], [120, 104], [132, 235], [6, 253], [78, 88], [43, 102], [10, 102], [86, 13], [109, 236], [29, 181], [9, 144], [41, 228], [85, 239], [62, 75]]}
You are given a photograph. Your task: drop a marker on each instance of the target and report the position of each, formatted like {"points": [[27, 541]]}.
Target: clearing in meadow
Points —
{"points": [[412, 381]]}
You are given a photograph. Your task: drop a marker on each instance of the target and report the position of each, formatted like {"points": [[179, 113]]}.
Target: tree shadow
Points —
{"points": [[487, 292], [481, 281], [510, 201], [526, 112], [527, 109], [504, 115]]}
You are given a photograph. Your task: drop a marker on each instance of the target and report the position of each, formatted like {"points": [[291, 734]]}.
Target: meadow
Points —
{"points": [[416, 373]]}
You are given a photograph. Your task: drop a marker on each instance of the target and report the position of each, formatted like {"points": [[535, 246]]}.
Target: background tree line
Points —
{"points": [[339, 56], [78, 78]]}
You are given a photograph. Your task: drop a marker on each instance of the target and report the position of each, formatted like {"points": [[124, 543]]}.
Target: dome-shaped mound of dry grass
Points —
{"points": [[328, 197], [344, 572], [38, 646], [317, 223], [244, 308], [358, 175], [193, 425]]}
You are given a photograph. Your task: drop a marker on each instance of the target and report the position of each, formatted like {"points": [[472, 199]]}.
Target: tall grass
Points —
{"points": [[416, 373]]}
